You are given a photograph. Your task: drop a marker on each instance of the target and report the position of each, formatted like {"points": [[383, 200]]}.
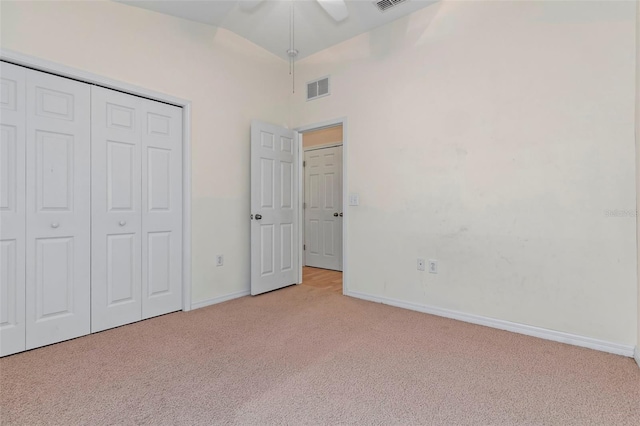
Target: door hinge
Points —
{"points": [[304, 247], [304, 164], [304, 205]]}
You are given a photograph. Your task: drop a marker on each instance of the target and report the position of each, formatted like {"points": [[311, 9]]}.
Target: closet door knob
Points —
{"points": [[55, 225], [122, 223]]}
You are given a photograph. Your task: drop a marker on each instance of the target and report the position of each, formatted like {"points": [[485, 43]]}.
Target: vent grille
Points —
{"points": [[318, 88], [384, 5]]}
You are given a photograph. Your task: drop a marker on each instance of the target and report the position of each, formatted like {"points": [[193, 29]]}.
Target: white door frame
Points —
{"points": [[345, 195], [50, 67]]}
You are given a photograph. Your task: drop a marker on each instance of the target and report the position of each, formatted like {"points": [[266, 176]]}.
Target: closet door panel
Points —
{"points": [[162, 209], [57, 209], [116, 209], [12, 208]]}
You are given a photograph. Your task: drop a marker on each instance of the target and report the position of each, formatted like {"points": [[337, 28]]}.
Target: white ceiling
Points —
{"points": [[267, 25]]}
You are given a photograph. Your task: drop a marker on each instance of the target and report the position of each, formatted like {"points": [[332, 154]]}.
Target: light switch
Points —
{"points": [[354, 199]]}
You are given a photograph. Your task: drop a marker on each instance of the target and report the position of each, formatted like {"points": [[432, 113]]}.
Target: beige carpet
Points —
{"points": [[307, 356]]}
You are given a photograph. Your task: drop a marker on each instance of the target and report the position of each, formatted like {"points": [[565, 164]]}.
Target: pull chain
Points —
{"points": [[290, 37], [292, 52], [293, 47]]}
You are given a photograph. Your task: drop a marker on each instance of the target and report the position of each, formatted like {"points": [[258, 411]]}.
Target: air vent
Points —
{"points": [[318, 88], [384, 5]]}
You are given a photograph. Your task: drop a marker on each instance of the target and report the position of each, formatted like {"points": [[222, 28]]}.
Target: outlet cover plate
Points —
{"points": [[421, 264]]}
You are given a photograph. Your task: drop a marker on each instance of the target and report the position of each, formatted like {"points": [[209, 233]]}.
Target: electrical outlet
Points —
{"points": [[433, 266], [219, 260], [421, 264]]}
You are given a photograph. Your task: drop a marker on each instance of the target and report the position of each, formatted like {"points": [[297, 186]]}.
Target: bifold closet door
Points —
{"points": [[58, 209], [161, 209], [137, 208], [12, 208], [116, 208], [91, 208]]}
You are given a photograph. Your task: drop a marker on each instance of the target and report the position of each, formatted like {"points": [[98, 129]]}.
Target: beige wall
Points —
{"points": [[512, 129], [221, 73], [322, 137], [638, 162]]}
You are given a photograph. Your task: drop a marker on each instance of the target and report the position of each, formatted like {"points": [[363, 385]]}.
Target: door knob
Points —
{"points": [[122, 223], [55, 225], [335, 215], [251, 217], [340, 214], [258, 216]]}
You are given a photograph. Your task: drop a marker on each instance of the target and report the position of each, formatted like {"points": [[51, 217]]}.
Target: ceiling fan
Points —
{"points": [[337, 9]]}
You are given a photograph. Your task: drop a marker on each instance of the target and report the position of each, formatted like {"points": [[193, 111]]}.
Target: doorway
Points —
{"points": [[277, 204], [322, 218]]}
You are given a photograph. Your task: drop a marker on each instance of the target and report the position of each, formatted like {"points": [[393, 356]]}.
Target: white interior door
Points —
{"points": [[323, 208], [116, 250], [12, 208], [58, 209], [161, 208], [274, 207]]}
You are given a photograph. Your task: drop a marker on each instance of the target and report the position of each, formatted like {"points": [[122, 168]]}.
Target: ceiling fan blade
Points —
{"points": [[337, 9], [249, 5]]}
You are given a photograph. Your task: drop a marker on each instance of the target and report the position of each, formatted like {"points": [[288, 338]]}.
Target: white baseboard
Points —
{"points": [[636, 355], [543, 333], [220, 299]]}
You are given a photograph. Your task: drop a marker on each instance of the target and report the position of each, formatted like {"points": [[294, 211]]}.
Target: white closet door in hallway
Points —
{"points": [[137, 208], [116, 139], [58, 215], [12, 205], [323, 208]]}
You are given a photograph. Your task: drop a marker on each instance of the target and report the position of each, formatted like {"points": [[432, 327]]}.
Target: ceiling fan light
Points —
{"points": [[337, 9], [249, 5]]}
